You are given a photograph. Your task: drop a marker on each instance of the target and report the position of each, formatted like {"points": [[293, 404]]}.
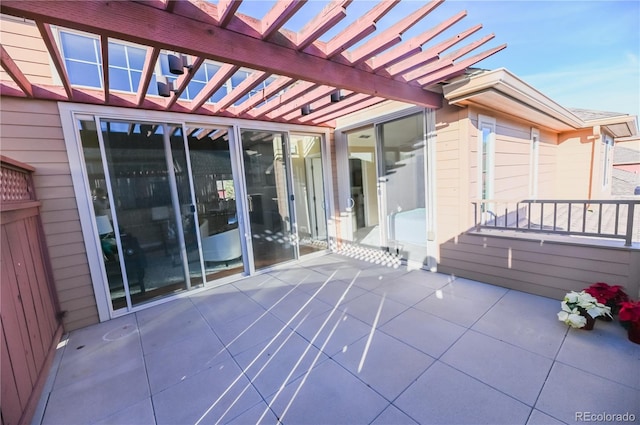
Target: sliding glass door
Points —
{"points": [[387, 203], [268, 197]]}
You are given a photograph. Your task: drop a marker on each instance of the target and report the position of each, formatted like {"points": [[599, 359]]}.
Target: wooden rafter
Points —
{"points": [[322, 106], [273, 88], [413, 45], [56, 57], [226, 10], [183, 81], [331, 108], [240, 90], [104, 49], [298, 102], [300, 89], [221, 44], [446, 60], [147, 71], [358, 30], [429, 55], [170, 5], [224, 73], [14, 72], [370, 101], [327, 18], [279, 14], [458, 67]]}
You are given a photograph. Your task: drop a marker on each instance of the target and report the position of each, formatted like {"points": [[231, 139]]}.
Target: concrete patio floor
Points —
{"points": [[337, 340]]}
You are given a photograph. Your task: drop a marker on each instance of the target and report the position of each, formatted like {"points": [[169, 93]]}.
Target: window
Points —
{"points": [[533, 163], [606, 160], [486, 157]]}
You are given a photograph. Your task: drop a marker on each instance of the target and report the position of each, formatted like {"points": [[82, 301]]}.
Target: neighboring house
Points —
{"points": [[626, 168], [140, 197]]}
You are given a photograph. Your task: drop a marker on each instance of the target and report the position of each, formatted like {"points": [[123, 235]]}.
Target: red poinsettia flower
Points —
{"points": [[630, 312], [611, 295]]}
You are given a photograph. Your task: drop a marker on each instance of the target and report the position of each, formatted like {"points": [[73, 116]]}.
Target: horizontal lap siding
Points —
{"points": [[549, 268], [37, 123], [24, 44], [573, 165]]}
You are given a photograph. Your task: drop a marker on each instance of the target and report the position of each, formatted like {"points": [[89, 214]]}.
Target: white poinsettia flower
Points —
{"points": [[571, 297], [576, 320]]}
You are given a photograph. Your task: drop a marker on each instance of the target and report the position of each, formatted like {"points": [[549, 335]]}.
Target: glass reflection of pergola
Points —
{"points": [[366, 65]]}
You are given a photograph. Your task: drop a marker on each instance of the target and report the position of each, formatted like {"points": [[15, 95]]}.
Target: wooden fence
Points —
{"points": [[29, 313]]}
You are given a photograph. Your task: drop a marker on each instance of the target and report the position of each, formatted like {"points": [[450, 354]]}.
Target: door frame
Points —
{"points": [[70, 113], [341, 149]]}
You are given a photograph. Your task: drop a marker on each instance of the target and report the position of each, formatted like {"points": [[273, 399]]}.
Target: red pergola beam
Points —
{"points": [[327, 18], [56, 57], [274, 87], [300, 89], [279, 14], [365, 103], [413, 45], [14, 72], [358, 30], [224, 73], [226, 10], [300, 101], [104, 48], [147, 71], [146, 25], [243, 88], [183, 81]]}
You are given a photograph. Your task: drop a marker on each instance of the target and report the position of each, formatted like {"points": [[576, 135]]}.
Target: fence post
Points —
{"points": [[627, 240]]}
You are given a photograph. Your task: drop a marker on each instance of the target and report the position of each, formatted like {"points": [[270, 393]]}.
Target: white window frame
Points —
{"points": [[486, 122], [534, 162]]}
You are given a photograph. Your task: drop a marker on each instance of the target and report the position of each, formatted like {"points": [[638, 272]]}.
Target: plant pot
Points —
{"points": [[605, 318], [590, 320], [633, 333]]}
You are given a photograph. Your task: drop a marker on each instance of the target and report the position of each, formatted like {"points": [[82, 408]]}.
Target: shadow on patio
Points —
{"points": [[337, 340]]}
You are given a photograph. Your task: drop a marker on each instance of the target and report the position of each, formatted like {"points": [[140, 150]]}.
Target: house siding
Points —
{"points": [[32, 133], [573, 165], [23, 42]]}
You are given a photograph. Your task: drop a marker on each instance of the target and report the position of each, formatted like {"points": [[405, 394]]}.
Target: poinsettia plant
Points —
{"points": [[576, 304], [609, 295], [629, 314]]}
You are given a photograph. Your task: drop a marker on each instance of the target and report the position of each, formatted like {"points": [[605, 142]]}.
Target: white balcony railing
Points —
{"points": [[611, 219]]}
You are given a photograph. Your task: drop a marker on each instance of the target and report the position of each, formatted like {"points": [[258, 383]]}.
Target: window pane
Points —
{"points": [[119, 79], [164, 64], [78, 47], [211, 70], [117, 55], [200, 75], [222, 92], [194, 88], [136, 57], [84, 74], [153, 86], [238, 77], [135, 80]]}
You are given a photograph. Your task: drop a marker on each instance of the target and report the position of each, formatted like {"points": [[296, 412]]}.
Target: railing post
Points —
{"points": [[627, 240], [475, 216]]}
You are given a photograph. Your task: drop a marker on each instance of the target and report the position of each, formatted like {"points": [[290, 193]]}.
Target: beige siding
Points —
{"points": [[549, 269], [24, 44], [573, 166], [32, 133], [452, 198]]}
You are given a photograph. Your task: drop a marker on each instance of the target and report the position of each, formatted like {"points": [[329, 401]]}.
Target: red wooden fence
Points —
{"points": [[31, 327]]}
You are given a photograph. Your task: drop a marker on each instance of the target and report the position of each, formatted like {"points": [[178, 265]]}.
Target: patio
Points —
{"points": [[338, 340]]}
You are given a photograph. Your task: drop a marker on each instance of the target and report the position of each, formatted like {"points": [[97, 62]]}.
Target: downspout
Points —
{"points": [[594, 140]]}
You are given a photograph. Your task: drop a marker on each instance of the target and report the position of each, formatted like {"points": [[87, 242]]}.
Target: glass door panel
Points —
{"points": [[187, 206], [268, 197], [148, 235], [215, 201], [403, 170], [361, 148], [308, 188]]}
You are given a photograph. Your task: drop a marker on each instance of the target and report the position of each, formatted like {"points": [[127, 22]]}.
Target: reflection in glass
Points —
{"points": [[141, 192], [215, 201], [308, 189], [404, 148], [268, 197], [363, 204]]}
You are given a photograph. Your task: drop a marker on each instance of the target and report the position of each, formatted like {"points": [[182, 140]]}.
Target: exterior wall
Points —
{"points": [[32, 133], [453, 209], [550, 269], [573, 166], [24, 44], [513, 158]]}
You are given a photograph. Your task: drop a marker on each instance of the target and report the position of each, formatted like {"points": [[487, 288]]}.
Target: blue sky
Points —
{"points": [[582, 54]]}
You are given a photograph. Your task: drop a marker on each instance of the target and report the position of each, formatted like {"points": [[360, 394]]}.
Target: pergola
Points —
{"points": [[367, 65]]}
